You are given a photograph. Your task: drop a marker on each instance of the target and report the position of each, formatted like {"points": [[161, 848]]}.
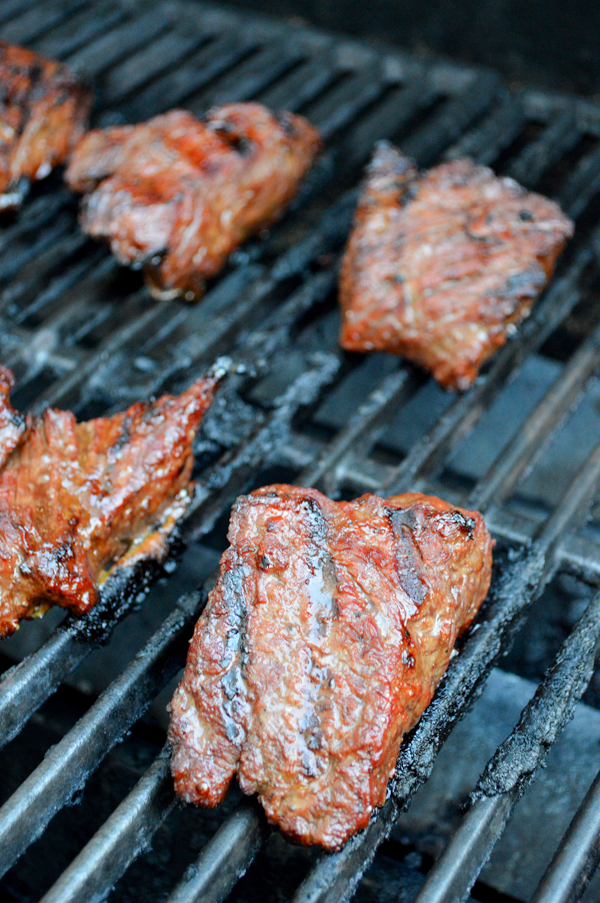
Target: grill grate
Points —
{"points": [[81, 333]]}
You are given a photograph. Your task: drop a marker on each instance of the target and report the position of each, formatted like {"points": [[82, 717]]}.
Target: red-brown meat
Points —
{"points": [[322, 643], [176, 195], [77, 499], [441, 265], [43, 114]]}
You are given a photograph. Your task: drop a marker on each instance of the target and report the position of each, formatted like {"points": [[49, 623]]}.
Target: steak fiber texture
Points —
{"points": [[44, 110], [323, 641], [177, 194], [441, 265], [80, 499]]}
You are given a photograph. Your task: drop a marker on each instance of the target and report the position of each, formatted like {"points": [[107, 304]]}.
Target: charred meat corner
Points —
{"points": [[322, 643]]}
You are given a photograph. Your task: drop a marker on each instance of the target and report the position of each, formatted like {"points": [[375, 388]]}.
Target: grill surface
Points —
{"points": [[523, 444]]}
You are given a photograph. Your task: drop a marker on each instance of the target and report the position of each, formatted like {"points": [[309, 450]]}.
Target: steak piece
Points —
{"points": [[43, 113], [323, 641], [79, 499], [177, 194], [441, 265]]}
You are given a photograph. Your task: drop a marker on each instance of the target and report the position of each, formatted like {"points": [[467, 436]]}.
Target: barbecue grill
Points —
{"points": [[522, 445]]}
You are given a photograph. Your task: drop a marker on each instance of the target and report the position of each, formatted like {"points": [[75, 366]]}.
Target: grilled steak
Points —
{"points": [[441, 265], [77, 499], [43, 113], [323, 641], [176, 195]]}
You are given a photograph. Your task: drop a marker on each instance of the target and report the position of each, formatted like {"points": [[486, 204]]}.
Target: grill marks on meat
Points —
{"points": [[440, 265], [176, 195], [321, 644], [43, 113], [77, 499]]}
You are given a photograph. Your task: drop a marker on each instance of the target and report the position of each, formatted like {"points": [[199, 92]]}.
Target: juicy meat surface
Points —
{"points": [[78, 499], [441, 265], [177, 194], [43, 113], [323, 641]]}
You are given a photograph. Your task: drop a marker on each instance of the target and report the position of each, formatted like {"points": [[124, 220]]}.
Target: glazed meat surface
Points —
{"points": [[176, 195], [43, 113], [323, 641], [441, 265], [78, 499]]}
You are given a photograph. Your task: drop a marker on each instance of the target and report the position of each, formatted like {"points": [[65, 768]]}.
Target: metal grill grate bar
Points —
{"points": [[302, 86], [225, 858], [249, 78], [362, 430], [10, 8], [80, 29], [174, 87], [502, 476], [577, 857], [66, 767], [560, 136], [449, 123], [129, 76], [105, 51], [583, 184], [127, 832], [498, 130], [36, 22]]}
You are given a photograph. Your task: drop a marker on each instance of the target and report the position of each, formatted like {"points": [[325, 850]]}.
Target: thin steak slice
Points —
{"points": [[441, 265], [323, 641], [177, 194], [44, 110], [79, 499]]}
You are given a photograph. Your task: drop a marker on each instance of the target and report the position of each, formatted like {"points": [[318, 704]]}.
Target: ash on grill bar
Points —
{"points": [[87, 808]]}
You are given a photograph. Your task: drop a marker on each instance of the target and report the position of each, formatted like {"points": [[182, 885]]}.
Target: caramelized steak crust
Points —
{"points": [[176, 195], [323, 641], [43, 114], [77, 499], [441, 265]]}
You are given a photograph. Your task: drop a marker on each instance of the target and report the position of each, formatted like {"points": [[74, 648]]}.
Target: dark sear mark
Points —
{"points": [[408, 556], [322, 599], [285, 121], [123, 437], [408, 659], [232, 137], [466, 523], [233, 682]]}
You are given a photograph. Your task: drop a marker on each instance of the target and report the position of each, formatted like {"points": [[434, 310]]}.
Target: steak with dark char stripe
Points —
{"points": [[43, 114], [323, 641], [441, 265]]}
